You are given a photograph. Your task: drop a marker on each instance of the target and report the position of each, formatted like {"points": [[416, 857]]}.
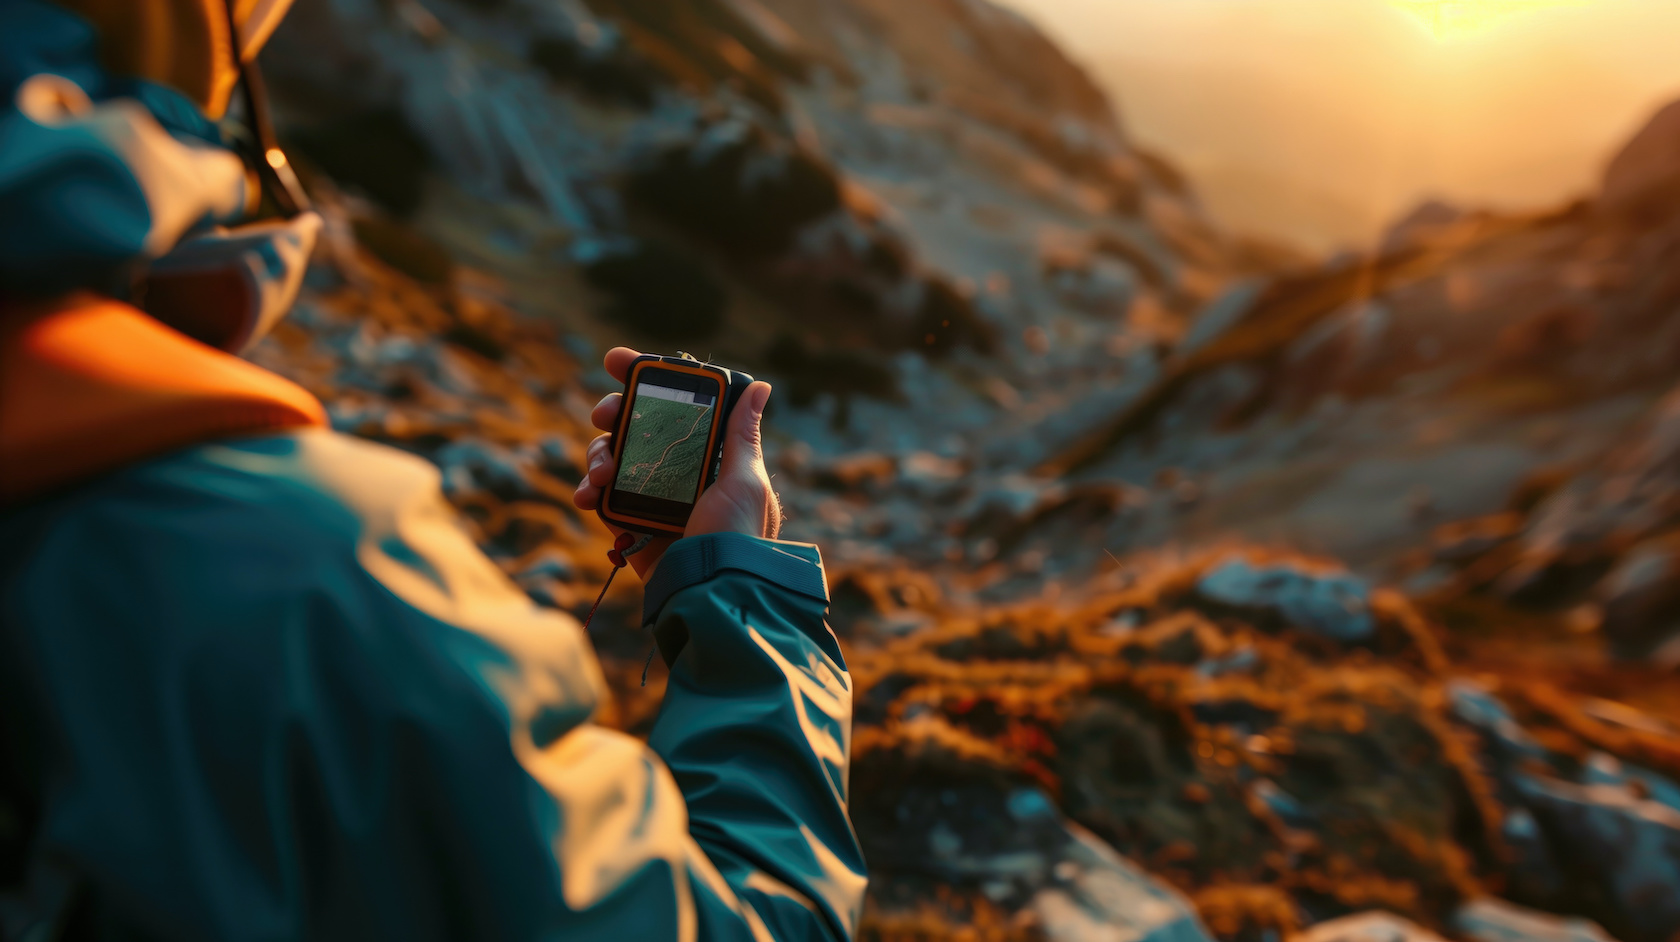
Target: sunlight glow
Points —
{"points": [[1456, 19]]}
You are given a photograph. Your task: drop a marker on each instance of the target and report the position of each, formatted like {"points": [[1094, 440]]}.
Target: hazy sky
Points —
{"points": [[1325, 118]]}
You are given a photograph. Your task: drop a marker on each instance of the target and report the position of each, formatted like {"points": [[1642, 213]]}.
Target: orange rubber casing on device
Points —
{"points": [[729, 386]]}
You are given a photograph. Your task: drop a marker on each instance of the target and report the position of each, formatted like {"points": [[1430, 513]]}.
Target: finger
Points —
{"points": [[743, 451], [605, 413], [601, 474], [601, 463], [587, 496], [618, 360], [599, 446]]}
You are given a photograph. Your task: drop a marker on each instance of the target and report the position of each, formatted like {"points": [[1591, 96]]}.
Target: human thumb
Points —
{"points": [[743, 451]]}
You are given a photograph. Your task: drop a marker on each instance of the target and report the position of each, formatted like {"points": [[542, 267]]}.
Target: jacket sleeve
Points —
{"points": [[756, 726], [287, 697]]}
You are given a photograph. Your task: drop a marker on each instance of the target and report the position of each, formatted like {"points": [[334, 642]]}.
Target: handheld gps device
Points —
{"points": [[668, 442]]}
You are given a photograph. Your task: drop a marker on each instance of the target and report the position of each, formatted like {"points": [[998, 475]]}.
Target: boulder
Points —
{"points": [[957, 818], [1333, 605], [1099, 896], [1495, 920], [1374, 926], [1628, 847]]}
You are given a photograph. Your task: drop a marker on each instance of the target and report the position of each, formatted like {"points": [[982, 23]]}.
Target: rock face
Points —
{"points": [[1020, 382], [819, 159], [1647, 171], [1501, 385]]}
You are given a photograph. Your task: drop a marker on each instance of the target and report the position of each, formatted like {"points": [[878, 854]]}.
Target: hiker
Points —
{"points": [[255, 680]]}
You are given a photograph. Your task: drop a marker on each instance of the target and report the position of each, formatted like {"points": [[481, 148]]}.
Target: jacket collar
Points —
{"points": [[90, 385]]}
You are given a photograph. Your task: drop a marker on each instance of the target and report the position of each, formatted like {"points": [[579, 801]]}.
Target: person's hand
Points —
{"points": [[740, 502]]}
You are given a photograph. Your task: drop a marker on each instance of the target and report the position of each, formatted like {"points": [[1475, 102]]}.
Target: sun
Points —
{"points": [[1456, 19]]}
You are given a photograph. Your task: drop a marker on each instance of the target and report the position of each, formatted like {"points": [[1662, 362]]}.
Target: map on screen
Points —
{"points": [[665, 443]]}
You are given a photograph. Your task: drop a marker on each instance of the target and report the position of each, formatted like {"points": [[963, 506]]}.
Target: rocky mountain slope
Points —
{"points": [[1516, 371], [1042, 418]]}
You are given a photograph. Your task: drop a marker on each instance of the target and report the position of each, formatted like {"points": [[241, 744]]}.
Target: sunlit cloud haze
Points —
{"points": [[1322, 120]]}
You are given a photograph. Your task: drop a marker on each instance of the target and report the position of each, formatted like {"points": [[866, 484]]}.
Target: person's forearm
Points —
{"points": [[756, 726]]}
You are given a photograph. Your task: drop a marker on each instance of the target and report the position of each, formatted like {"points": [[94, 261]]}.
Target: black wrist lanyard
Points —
{"points": [[627, 545]]}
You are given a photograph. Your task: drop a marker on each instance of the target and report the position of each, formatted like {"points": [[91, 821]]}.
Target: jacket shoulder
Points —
{"points": [[303, 491], [275, 532]]}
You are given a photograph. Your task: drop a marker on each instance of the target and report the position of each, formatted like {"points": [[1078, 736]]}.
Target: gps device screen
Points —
{"points": [[665, 443]]}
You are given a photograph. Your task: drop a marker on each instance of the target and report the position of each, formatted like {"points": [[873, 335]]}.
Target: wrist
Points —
{"points": [[701, 557]]}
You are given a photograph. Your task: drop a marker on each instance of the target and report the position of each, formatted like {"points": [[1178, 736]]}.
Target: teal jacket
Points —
{"points": [[273, 691]]}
